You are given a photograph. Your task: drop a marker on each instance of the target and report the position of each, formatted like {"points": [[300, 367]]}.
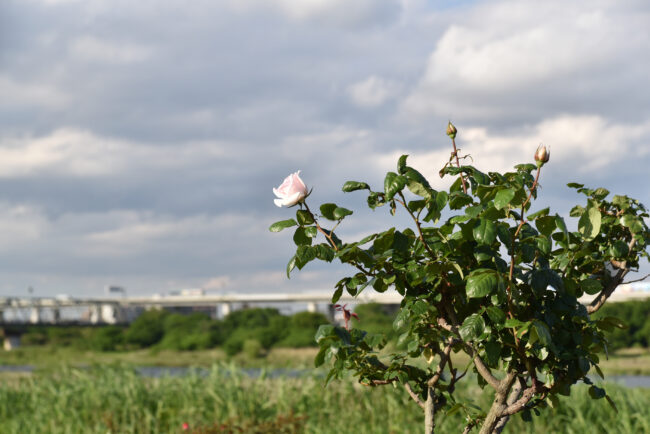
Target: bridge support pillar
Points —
{"points": [[11, 342], [312, 307], [330, 312], [226, 308], [35, 315], [56, 315], [95, 314]]}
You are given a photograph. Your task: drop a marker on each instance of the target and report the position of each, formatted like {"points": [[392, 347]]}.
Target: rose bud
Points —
{"points": [[542, 155], [451, 130], [291, 191]]}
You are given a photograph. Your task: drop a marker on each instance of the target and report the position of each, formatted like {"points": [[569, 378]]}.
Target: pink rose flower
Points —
{"points": [[291, 191]]}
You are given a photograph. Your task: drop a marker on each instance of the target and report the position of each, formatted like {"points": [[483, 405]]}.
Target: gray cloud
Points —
{"points": [[139, 141]]}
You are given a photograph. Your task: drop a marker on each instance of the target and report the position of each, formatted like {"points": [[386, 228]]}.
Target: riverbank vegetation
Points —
{"points": [[225, 400]]}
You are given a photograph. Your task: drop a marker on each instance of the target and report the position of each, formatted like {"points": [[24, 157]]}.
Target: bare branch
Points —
{"points": [[469, 427], [602, 297], [417, 225], [481, 367], [515, 393], [415, 397], [637, 280], [444, 357], [526, 396]]}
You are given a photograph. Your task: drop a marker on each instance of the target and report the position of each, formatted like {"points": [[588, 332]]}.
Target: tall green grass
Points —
{"points": [[116, 399]]}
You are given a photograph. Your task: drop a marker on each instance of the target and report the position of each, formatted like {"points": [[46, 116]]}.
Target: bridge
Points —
{"points": [[122, 310]]}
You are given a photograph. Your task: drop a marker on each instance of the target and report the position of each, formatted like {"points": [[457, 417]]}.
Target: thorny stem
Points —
{"points": [[462, 178], [331, 240], [417, 225]]}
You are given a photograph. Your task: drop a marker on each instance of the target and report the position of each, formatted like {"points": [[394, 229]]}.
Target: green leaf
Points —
{"points": [[561, 225], [596, 392], [304, 217], [632, 223], [337, 294], [472, 327], [441, 200], [324, 331], [340, 212], [543, 333], [591, 286], [301, 238], [574, 185], [282, 224], [496, 315], [492, 351], [393, 183], [401, 164], [327, 211], [485, 232], [304, 254], [354, 186], [481, 282], [290, 266], [541, 213], [619, 249], [589, 223], [320, 357], [545, 225], [503, 198]]}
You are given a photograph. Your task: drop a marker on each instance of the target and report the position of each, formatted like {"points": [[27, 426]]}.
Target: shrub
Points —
{"points": [[147, 329]]}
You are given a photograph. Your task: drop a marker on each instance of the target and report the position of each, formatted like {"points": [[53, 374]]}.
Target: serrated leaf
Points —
{"points": [[472, 327], [327, 211], [596, 392], [481, 283], [354, 186], [337, 294], [541, 213], [485, 232], [401, 164], [340, 212], [543, 333], [301, 238], [503, 198], [290, 266], [545, 225], [496, 315], [632, 223], [589, 223], [393, 183], [304, 217], [591, 286], [282, 224]]}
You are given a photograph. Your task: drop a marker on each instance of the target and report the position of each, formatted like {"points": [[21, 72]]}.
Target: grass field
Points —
{"points": [[116, 400], [633, 361]]}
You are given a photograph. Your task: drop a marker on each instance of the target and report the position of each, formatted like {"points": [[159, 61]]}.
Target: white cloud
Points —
{"points": [[373, 91], [503, 58], [584, 143], [74, 152]]}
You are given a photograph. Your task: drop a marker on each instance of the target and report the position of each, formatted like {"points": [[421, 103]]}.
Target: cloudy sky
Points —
{"points": [[140, 140]]}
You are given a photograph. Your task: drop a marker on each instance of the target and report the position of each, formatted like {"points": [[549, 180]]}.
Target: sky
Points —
{"points": [[140, 140]]}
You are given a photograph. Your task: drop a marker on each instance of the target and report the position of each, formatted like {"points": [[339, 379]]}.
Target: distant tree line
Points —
{"points": [[259, 329]]}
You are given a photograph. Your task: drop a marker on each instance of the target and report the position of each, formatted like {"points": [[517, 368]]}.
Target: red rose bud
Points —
{"points": [[542, 155], [451, 130]]}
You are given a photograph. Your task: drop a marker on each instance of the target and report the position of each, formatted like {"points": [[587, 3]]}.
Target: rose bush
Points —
{"points": [[478, 273]]}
